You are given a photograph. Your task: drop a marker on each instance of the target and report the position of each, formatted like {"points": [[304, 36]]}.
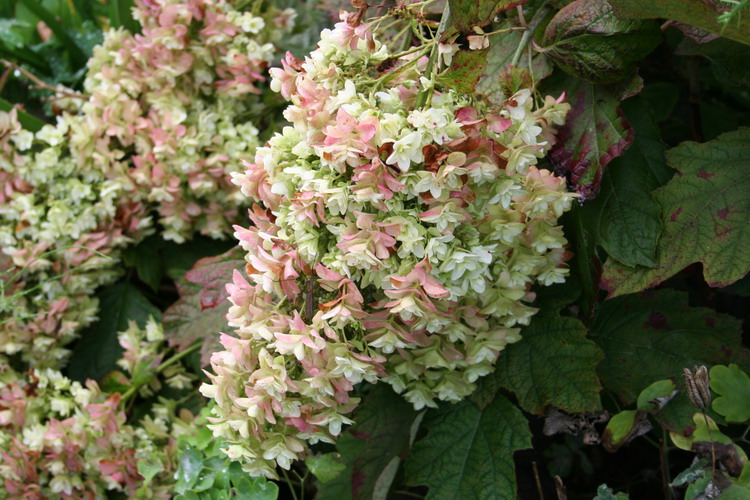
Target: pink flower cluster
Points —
{"points": [[391, 241], [160, 129], [172, 98], [61, 440]]}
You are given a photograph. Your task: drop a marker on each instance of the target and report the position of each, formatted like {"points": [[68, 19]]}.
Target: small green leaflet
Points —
{"points": [[733, 387]]}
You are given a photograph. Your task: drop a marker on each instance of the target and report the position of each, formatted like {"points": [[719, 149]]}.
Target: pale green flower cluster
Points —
{"points": [[143, 352]]}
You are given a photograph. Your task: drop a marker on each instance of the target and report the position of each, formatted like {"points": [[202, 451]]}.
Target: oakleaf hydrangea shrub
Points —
{"points": [[63, 439], [158, 132], [60, 193], [171, 98], [397, 229], [60, 439]]}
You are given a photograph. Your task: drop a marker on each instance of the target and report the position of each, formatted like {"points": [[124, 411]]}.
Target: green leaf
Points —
{"points": [[382, 430], [661, 97], [203, 305], [325, 467], [704, 211], [655, 335], [149, 468], [146, 260], [16, 33], [189, 468], [465, 14], [502, 47], [554, 364], [728, 59], [178, 259], [619, 429], [604, 492], [466, 68], [255, 488], [733, 387], [586, 40], [98, 350], [76, 53], [120, 15], [651, 398], [340, 487], [627, 218], [594, 133], [698, 13], [468, 452]]}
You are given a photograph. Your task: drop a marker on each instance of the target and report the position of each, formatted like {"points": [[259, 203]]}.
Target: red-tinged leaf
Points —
{"points": [[595, 132], [465, 70], [202, 308], [494, 82], [465, 14], [588, 41], [700, 13], [704, 210]]}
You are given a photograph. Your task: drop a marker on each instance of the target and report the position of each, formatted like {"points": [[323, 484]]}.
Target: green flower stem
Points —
{"points": [[289, 482], [174, 359], [425, 94], [533, 25]]}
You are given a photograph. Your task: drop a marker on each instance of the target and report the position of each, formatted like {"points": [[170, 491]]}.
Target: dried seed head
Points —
{"points": [[696, 383]]}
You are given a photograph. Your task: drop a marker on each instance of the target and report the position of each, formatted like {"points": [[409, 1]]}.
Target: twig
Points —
{"points": [[41, 84], [535, 21], [538, 481]]}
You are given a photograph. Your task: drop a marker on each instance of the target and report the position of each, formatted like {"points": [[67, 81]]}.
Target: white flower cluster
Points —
{"points": [[393, 241]]}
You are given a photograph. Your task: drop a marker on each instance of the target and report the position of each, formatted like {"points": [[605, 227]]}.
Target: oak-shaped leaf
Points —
{"points": [[468, 452], [704, 210], [700, 13], [586, 40], [625, 217], [554, 364], [733, 387], [653, 336], [200, 312], [594, 133]]}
